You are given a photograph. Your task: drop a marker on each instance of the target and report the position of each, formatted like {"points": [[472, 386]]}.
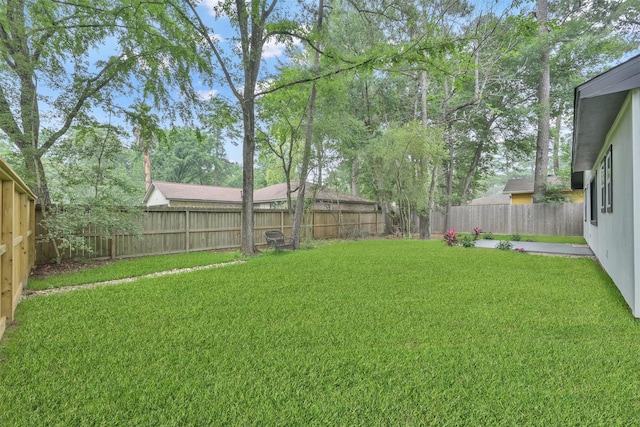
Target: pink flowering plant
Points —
{"points": [[476, 233], [451, 238]]}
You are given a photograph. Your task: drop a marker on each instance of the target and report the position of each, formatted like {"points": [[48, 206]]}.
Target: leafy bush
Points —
{"points": [[504, 245], [450, 237], [488, 236], [468, 241], [516, 237]]}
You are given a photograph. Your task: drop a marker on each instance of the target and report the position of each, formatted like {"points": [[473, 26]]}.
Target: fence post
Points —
{"points": [[187, 225], [113, 247], [6, 285]]}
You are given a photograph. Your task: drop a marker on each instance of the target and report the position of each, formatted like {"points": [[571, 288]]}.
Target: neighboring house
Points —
{"points": [[273, 197], [521, 190], [494, 199], [606, 164], [176, 195]]}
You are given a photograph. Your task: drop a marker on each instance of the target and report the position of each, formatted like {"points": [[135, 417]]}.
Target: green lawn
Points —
{"points": [[364, 333]]}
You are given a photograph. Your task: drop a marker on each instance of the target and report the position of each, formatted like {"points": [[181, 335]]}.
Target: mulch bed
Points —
{"points": [[47, 270]]}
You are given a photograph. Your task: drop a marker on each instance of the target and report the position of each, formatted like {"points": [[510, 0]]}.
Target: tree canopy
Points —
{"points": [[417, 104]]}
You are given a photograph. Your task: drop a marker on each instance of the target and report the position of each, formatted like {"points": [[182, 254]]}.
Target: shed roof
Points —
{"points": [[278, 192], [597, 103], [273, 193], [494, 199]]}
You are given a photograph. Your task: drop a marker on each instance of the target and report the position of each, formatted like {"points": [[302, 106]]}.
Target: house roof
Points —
{"points": [[597, 103], [278, 192], [195, 193], [494, 199], [273, 193], [525, 185]]}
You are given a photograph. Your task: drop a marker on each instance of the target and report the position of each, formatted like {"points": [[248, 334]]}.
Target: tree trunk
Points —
{"points": [[386, 213], [425, 217], [544, 93], [36, 177], [147, 168], [466, 187], [556, 145], [304, 168], [447, 218], [432, 198], [355, 188], [247, 245]]}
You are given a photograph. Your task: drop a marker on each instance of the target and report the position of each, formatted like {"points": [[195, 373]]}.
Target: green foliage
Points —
{"points": [[556, 194], [488, 235], [516, 237], [64, 62], [93, 190], [398, 164], [191, 158], [468, 241], [504, 245], [400, 333]]}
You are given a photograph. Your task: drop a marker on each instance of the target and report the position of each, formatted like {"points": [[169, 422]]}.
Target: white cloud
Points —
{"points": [[272, 49], [216, 37], [206, 95], [211, 5]]}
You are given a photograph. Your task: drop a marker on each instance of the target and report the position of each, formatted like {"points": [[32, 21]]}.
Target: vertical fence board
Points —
{"points": [[170, 230], [538, 219], [17, 234]]}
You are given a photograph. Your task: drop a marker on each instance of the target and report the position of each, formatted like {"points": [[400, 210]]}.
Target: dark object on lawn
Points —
{"points": [[276, 240]]}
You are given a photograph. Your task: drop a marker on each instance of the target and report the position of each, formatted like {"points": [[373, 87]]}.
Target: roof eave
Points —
{"points": [[597, 103]]}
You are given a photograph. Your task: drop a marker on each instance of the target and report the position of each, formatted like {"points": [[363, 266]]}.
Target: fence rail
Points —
{"points": [[177, 230], [17, 241], [564, 219]]}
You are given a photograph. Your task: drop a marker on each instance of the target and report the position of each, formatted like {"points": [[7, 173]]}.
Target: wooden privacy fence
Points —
{"points": [[176, 230], [17, 241], [564, 219]]}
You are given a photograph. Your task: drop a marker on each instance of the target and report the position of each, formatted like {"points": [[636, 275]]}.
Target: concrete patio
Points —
{"points": [[542, 248]]}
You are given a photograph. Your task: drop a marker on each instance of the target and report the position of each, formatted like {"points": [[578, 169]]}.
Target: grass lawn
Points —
{"points": [[377, 332]]}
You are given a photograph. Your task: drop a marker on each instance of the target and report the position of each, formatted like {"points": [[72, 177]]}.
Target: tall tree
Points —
{"points": [[59, 60], [146, 131], [256, 22], [544, 115], [308, 138]]}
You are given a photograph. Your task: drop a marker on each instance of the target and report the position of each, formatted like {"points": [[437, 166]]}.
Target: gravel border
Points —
{"points": [[30, 293]]}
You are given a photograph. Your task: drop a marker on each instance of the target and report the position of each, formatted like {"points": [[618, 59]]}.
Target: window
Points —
{"points": [[593, 200], [603, 186], [606, 183], [609, 181]]}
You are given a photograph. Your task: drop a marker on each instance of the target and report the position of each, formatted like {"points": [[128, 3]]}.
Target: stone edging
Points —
{"points": [[29, 294]]}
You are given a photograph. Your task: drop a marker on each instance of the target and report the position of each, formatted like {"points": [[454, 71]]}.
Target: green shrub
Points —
{"points": [[488, 236], [504, 245], [467, 241], [516, 237]]}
